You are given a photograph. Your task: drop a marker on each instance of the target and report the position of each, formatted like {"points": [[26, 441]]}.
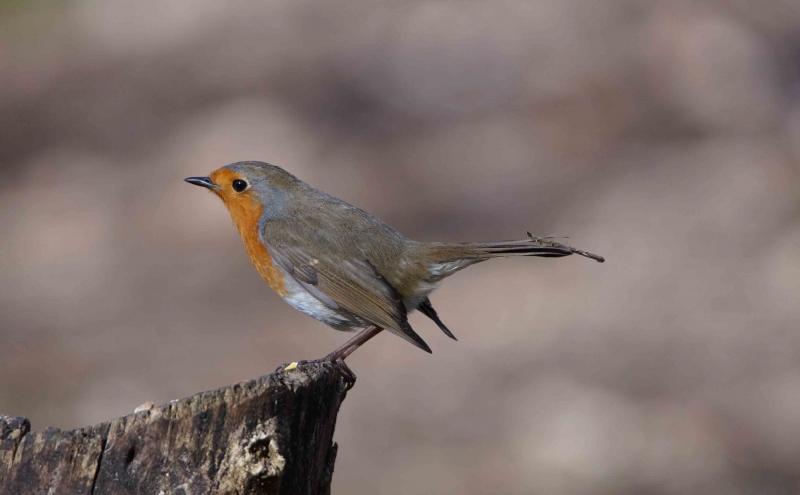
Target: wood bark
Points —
{"points": [[271, 435]]}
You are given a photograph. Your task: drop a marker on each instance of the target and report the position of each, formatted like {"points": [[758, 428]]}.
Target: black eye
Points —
{"points": [[239, 185]]}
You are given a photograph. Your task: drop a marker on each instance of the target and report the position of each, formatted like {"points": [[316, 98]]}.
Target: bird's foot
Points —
{"points": [[337, 362]]}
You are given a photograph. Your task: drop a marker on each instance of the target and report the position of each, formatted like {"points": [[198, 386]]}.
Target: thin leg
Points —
{"points": [[351, 345], [338, 356]]}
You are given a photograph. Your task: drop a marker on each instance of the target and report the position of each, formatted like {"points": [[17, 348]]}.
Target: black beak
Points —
{"points": [[201, 181]]}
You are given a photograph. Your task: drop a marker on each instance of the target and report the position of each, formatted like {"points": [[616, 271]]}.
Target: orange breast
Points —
{"points": [[262, 260], [246, 211]]}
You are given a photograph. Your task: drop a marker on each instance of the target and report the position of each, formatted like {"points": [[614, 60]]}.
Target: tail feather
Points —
{"points": [[426, 308], [445, 259], [498, 249]]}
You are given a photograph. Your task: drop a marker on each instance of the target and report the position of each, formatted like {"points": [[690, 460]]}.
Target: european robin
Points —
{"points": [[339, 264]]}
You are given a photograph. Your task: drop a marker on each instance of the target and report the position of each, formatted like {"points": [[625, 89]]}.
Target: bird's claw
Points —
{"points": [[338, 363], [346, 372]]}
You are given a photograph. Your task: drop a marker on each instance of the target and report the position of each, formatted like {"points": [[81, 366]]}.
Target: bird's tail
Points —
{"points": [[445, 258]]}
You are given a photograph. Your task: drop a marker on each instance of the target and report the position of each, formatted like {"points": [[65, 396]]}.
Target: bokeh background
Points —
{"points": [[663, 135]]}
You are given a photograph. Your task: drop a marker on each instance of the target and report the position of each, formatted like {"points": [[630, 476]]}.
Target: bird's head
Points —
{"points": [[247, 188]]}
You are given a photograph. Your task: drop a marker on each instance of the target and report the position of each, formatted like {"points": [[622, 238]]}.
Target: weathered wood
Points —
{"points": [[271, 435]]}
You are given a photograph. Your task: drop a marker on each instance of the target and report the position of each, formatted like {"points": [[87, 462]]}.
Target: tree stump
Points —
{"points": [[271, 435]]}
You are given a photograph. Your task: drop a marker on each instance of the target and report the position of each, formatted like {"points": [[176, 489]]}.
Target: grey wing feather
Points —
{"points": [[305, 275], [304, 271], [426, 308], [355, 285]]}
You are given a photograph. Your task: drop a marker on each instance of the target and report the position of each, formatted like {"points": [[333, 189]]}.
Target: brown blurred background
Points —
{"points": [[663, 135]]}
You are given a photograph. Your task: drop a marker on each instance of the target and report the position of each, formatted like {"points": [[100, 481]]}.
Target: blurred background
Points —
{"points": [[662, 135]]}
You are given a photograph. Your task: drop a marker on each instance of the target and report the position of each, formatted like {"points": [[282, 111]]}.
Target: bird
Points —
{"points": [[339, 264]]}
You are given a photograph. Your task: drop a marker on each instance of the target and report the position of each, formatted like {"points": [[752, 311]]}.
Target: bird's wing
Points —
{"points": [[426, 308], [352, 284]]}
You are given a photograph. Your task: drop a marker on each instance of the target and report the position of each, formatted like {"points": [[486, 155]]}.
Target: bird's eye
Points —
{"points": [[239, 185]]}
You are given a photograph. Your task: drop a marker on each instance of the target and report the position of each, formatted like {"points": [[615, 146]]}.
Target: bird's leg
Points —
{"points": [[351, 345], [338, 356]]}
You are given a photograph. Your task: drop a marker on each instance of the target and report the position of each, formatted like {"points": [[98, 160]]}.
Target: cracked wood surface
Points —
{"points": [[271, 435]]}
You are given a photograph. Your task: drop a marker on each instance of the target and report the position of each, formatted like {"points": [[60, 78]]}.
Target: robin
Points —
{"points": [[339, 264]]}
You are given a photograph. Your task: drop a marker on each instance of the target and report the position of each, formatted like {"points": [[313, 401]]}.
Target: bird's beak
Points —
{"points": [[201, 181]]}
